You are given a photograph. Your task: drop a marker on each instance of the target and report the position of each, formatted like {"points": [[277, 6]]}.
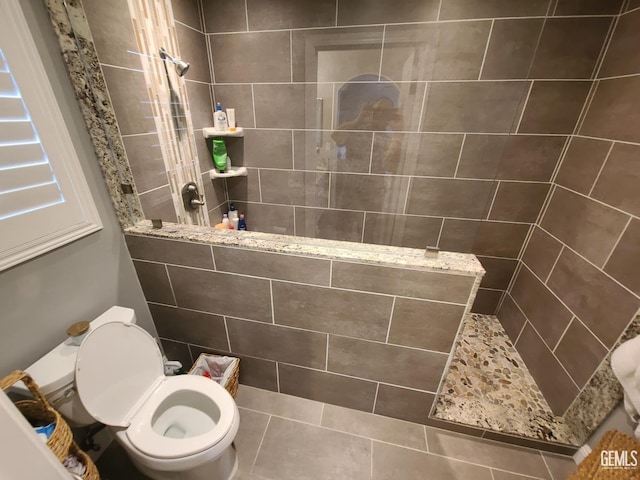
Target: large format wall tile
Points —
{"points": [[622, 56], [200, 104], [130, 99], [450, 197], [337, 151], [238, 97], [401, 230], [193, 49], [582, 163], [189, 326], [263, 217], [286, 105], [454, 9], [359, 12], [518, 201], [158, 204], [330, 224], [375, 193], [496, 239], [262, 148], [170, 251], [299, 14], [295, 188], [588, 7], [154, 282], [624, 261], [580, 352], [187, 12], [233, 14], [278, 343], [353, 314], [541, 253], [378, 361], [498, 271], [145, 158], [618, 182], [511, 318], [403, 403]]}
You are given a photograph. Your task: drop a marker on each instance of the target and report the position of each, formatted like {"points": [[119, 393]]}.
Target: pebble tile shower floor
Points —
{"points": [[289, 438]]}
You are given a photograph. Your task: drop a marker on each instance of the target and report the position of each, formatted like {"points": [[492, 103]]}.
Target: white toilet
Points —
{"points": [[179, 427]]}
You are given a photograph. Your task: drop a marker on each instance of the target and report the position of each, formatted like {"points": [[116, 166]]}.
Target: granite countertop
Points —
{"points": [[461, 263]]}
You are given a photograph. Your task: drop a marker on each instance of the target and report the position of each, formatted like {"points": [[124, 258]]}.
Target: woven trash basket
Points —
{"points": [[224, 370]]}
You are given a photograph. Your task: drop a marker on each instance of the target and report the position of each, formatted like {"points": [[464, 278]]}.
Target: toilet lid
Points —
{"points": [[117, 366]]}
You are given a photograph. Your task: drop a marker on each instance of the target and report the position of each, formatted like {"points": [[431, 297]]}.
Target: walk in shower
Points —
{"points": [[480, 128]]}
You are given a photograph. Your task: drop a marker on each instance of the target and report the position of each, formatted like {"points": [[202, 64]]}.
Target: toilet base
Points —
{"points": [[222, 468]]}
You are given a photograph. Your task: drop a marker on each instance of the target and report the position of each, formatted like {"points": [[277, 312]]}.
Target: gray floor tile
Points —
{"points": [[559, 466], [247, 441], [298, 451], [393, 463], [482, 452], [373, 426], [279, 404], [501, 475]]}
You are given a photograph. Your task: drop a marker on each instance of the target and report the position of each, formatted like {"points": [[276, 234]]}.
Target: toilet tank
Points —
{"points": [[54, 372]]}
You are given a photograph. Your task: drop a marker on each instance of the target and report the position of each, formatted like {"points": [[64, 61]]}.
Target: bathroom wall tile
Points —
{"points": [[601, 304], [357, 12], [449, 197], [203, 151], [374, 426], [339, 151], [262, 148], [569, 47], [455, 9], [423, 324], [286, 105], [581, 163], [560, 466], [289, 448], [511, 48], [215, 214], [590, 228], [510, 157], [238, 97], [483, 452], [224, 16], [239, 57], [193, 49], [145, 159], [327, 387], [580, 352], [416, 154], [273, 403], [177, 351], [622, 56], [190, 327], [273, 265], [556, 386], [633, 4], [360, 315], [388, 460], [248, 439], [170, 251], [112, 32], [518, 201], [329, 224], [588, 7], [368, 192], [200, 104], [487, 301], [554, 106], [222, 293], [282, 344], [423, 284], [244, 189], [158, 204], [622, 265], [615, 110], [403, 403], [483, 107], [401, 230], [617, 184], [378, 361], [499, 271], [154, 282], [546, 313], [316, 58], [511, 318], [187, 12], [255, 372], [541, 252], [214, 192], [497, 239], [458, 56], [130, 100], [295, 188], [267, 218], [300, 14]]}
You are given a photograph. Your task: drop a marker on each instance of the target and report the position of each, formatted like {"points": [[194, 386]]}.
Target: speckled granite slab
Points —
{"points": [[488, 386], [459, 263]]}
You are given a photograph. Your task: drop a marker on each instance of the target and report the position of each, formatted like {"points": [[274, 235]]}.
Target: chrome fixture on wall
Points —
{"points": [[181, 66], [191, 197]]}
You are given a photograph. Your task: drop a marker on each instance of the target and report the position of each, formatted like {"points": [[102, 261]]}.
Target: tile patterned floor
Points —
{"points": [[290, 438]]}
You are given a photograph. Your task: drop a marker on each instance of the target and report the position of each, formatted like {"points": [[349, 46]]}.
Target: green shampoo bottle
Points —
{"points": [[219, 154]]}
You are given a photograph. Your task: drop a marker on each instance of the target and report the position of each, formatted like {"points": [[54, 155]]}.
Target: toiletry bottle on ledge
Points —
{"points": [[225, 220], [231, 119], [233, 216], [220, 119], [219, 154], [242, 224]]}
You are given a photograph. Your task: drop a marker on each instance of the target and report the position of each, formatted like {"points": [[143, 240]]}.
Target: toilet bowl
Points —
{"points": [[179, 427]]}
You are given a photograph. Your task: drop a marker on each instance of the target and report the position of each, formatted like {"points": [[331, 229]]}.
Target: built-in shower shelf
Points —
{"points": [[231, 172], [211, 132]]}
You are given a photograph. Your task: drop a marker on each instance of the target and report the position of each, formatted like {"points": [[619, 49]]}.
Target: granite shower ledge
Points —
{"points": [[458, 263]]}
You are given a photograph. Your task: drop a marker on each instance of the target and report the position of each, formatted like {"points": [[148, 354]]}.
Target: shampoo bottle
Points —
{"points": [[220, 119], [242, 224], [219, 154], [233, 216]]}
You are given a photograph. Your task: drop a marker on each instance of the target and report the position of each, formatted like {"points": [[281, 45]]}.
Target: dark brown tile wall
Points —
{"points": [[308, 326], [578, 287]]}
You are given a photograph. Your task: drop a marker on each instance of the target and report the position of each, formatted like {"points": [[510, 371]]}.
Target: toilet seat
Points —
{"points": [[120, 380]]}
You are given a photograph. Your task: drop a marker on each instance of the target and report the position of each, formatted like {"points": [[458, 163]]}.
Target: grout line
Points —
{"points": [[393, 306], [547, 465], [440, 233], [591, 94], [491, 472], [426, 438], [293, 150], [424, 101], [277, 376], [486, 49], [406, 197], [290, 54], [329, 190], [264, 434], [555, 7], [213, 257], [554, 265], [616, 244], [202, 22], [384, 32], [173, 294], [331, 273], [253, 104], [371, 472], [246, 14], [564, 332], [580, 135], [326, 359], [495, 195], [601, 169], [337, 6], [259, 186], [373, 136], [294, 221], [521, 328], [455, 173], [375, 398], [273, 316], [188, 26], [226, 330], [605, 47], [526, 101], [321, 412], [615, 77], [557, 168], [439, 10], [364, 223]]}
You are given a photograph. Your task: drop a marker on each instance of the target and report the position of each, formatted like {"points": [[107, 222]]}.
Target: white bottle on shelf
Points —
{"points": [[220, 119], [233, 216], [225, 220]]}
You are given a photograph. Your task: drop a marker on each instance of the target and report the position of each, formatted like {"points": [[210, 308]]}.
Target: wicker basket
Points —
{"points": [[39, 412], [232, 374]]}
